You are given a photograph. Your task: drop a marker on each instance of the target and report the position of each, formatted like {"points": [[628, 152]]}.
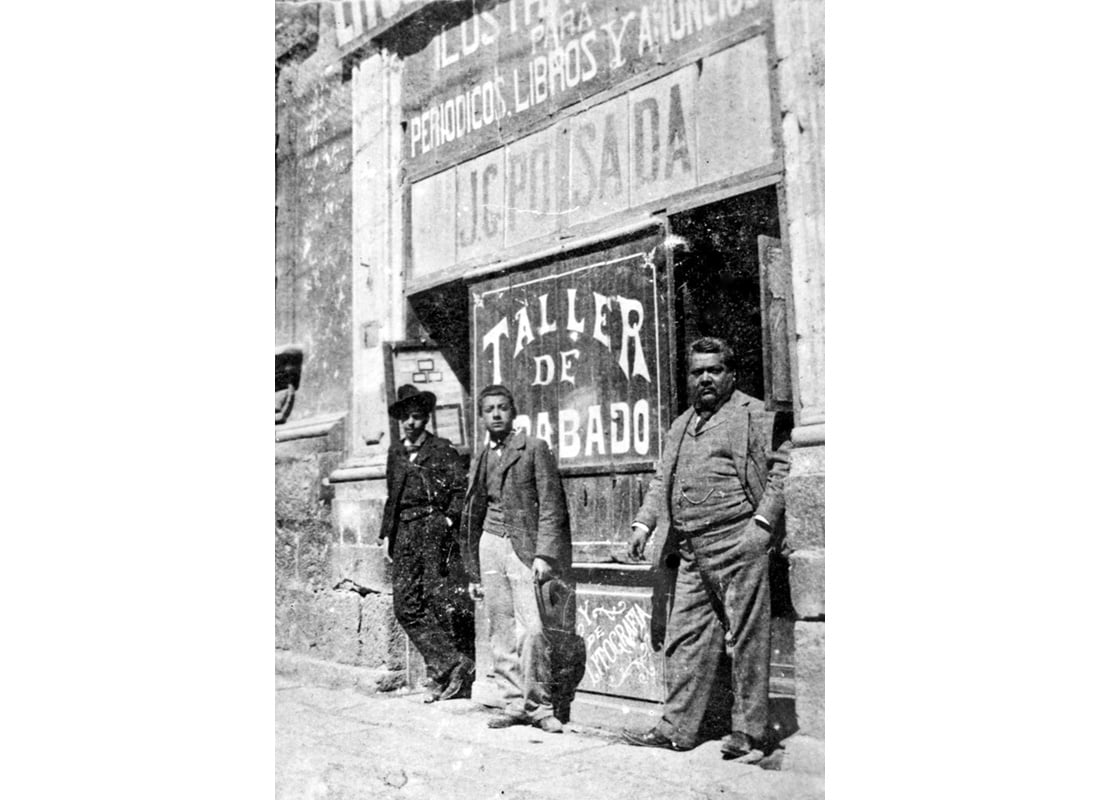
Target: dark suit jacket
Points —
{"points": [[441, 467], [535, 512], [760, 445]]}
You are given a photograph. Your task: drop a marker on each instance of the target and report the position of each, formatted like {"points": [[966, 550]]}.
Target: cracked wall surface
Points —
{"points": [[332, 586], [313, 218], [333, 599]]}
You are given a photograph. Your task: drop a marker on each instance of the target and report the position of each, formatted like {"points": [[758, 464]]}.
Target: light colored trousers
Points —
{"points": [[520, 653]]}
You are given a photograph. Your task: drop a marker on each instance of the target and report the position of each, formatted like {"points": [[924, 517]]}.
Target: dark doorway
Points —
{"points": [[442, 315], [717, 289], [717, 281]]}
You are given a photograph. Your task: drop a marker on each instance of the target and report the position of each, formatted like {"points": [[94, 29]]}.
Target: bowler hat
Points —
{"points": [[409, 395], [553, 600]]}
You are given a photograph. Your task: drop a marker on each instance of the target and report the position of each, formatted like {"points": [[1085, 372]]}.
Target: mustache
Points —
{"points": [[708, 394]]}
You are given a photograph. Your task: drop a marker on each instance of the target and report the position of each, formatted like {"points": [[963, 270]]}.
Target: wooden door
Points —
{"points": [[775, 293], [582, 340]]}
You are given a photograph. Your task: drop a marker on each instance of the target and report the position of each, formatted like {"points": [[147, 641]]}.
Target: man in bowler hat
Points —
{"points": [[424, 482]]}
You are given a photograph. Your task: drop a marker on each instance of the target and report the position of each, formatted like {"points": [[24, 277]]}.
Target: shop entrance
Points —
{"points": [[729, 281], [592, 344]]}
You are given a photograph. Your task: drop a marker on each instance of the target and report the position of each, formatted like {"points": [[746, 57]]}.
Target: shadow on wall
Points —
{"points": [[443, 315]]}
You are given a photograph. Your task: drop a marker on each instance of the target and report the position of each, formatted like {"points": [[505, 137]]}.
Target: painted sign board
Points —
{"points": [[500, 69], [704, 122], [662, 143], [433, 224], [360, 19], [579, 343], [480, 207], [614, 623], [599, 161]]}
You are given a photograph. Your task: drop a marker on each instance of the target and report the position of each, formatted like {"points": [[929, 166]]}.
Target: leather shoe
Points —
{"points": [[742, 748], [506, 720], [461, 677], [549, 724], [651, 738], [432, 691]]}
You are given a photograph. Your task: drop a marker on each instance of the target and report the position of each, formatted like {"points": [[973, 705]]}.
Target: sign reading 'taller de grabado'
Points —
{"points": [[578, 342]]}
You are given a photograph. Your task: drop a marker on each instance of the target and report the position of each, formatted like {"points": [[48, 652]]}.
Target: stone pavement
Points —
{"points": [[340, 744]]}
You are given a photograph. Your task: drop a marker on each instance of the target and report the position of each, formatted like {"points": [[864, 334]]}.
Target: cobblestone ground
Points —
{"points": [[339, 744]]}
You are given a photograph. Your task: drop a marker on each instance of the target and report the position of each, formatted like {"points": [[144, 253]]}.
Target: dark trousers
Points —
{"points": [[429, 598], [722, 600]]}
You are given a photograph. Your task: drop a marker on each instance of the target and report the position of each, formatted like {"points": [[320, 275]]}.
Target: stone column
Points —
{"points": [[378, 303], [313, 310], [339, 291], [800, 32], [378, 313]]}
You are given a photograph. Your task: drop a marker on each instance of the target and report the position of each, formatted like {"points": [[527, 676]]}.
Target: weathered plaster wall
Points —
{"points": [[332, 587], [295, 28], [313, 227], [378, 306], [800, 46]]}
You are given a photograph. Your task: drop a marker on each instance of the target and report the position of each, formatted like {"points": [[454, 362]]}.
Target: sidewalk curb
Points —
{"points": [[331, 675]]}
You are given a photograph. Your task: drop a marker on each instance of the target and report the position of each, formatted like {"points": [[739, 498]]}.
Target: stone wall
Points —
{"points": [[806, 530], [800, 46], [332, 595], [806, 535], [333, 600]]}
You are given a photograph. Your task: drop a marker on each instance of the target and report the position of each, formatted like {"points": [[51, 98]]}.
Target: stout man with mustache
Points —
{"points": [[720, 484]]}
